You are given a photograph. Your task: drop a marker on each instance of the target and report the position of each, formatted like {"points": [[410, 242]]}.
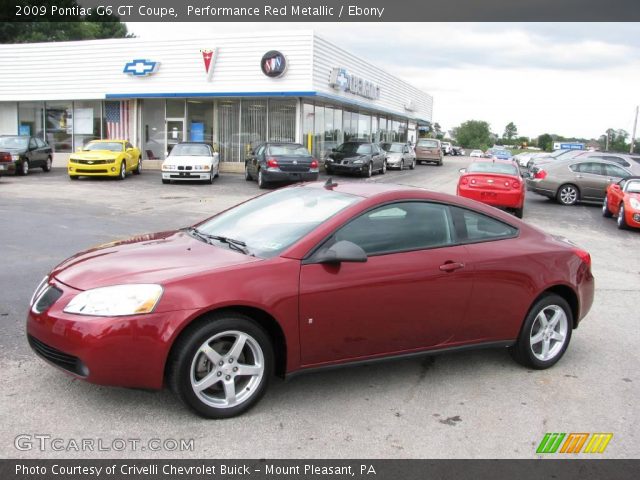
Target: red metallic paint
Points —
{"points": [[616, 197], [476, 187], [391, 304]]}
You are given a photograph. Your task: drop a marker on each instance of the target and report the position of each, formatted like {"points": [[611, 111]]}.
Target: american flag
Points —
{"points": [[117, 117]]}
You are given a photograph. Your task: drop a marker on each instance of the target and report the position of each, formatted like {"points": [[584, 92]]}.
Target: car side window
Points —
{"points": [[399, 227], [260, 150], [594, 168], [32, 143], [472, 227], [615, 171], [128, 145], [40, 143], [618, 160]]}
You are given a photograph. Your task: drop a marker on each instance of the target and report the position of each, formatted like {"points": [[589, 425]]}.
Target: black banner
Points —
{"points": [[316, 469], [322, 10]]}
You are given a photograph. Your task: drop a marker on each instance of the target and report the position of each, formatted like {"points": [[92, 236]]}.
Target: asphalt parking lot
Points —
{"points": [[467, 405]]}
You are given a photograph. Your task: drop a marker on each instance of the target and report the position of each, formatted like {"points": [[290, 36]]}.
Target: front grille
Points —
{"points": [[188, 167], [49, 296], [185, 175], [63, 360], [83, 170], [94, 162]]}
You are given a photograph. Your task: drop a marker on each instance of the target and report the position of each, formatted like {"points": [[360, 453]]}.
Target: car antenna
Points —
{"points": [[329, 184]]}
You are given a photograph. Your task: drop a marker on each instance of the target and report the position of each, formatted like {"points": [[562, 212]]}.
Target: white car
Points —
{"points": [[191, 161], [476, 153], [446, 148]]}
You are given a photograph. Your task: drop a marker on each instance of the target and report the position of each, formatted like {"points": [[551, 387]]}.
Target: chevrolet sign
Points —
{"points": [[341, 79]]}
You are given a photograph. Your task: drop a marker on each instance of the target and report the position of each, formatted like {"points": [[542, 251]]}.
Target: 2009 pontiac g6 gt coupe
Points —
{"points": [[306, 277]]}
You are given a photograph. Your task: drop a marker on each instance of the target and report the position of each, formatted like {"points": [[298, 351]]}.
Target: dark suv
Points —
{"points": [[361, 158]]}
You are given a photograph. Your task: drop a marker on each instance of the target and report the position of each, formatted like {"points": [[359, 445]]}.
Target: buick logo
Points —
{"points": [[273, 64], [295, 162]]}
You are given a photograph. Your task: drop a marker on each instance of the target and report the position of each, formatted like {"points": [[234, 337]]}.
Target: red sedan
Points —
{"points": [[307, 277], [494, 182], [622, 199]]}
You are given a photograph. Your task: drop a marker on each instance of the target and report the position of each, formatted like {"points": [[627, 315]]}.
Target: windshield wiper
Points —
{"points": [[237, 245]]}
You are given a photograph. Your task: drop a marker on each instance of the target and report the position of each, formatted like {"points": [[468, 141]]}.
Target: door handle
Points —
{"points": [[451, 266], [578, 176]]}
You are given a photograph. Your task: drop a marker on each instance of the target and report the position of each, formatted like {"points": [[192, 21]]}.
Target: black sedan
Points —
{"points": [[280, 163], [25, 153], [356, 157]]}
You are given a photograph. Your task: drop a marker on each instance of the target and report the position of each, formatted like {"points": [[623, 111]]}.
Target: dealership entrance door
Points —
{"points": [[174, 133]]}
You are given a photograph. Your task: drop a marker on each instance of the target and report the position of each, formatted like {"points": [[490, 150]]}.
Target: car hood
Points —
{"points": [[189, 160], [152, 258], [394, 155], [346, 156], [95, 155]]}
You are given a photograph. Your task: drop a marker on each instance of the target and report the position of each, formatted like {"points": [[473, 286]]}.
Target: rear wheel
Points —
{"points": [[138, 168], [47, 165], [545, 334], [328, 170], [605, 208], [439, 162], [24, 168], [568, 194], [247, 175], [262, 183], [519, 212], [221, 368], [622, 221]]}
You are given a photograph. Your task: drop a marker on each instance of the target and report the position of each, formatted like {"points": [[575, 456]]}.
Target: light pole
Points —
{"points": [[633, 135]]}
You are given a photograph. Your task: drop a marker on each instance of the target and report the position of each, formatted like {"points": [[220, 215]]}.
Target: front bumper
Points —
{"points": [[95, 170], [348, 168], [126, 351], [196, 175]]}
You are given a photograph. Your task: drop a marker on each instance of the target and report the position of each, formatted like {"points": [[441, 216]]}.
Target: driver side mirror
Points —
{"points": [[342, 251], [616, 187], [526, 174], [462, 170], [130, 149]]}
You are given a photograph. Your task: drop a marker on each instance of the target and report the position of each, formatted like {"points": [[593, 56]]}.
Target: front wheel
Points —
{"points": [[210, 179], [622, 221], [413, 165], [545, 334], [367, 172], [47, 165], [123, 172], [221, 368], [138, 169], [384, 167], [605, 209], [165, 182], [568, 194]]}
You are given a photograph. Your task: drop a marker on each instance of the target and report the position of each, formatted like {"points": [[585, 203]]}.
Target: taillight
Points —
{"points": [[464, 181], [540, 174], [272, 163], [584, 256], [515, 184], [314, 163], [5, 157]]}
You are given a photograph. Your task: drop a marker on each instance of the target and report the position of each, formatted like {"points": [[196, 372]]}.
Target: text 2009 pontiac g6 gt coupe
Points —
{"points": [[306, 277]]}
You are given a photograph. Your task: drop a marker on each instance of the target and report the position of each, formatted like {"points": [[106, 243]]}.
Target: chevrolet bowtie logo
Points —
{"points": [[141, 67]]}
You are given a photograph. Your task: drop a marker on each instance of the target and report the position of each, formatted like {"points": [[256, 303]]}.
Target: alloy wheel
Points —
{"points": [[25, 168], [622, 223], [548, 333], [568, 195], [47, 166], [227, 369]]}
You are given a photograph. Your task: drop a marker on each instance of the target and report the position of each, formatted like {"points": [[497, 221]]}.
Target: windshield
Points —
{"points": [[14, 142], [428, 144], [270, 223], [492, 167], [633, 187], [502, 153], [190, 150], [352, 148], [392, 147], [289, 150], [111, 146]]}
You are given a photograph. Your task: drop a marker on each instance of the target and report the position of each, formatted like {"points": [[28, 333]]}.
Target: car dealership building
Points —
{"points": [[232, 91]]}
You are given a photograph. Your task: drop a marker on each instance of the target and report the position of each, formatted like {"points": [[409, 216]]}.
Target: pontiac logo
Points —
{"points": [[209, 57]]}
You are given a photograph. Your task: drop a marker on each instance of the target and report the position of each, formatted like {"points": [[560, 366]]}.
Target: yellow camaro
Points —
{"points": [[105, 158]]}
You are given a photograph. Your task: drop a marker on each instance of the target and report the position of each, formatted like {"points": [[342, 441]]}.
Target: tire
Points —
{"points": [[535, 337], [247, 175], [123, 171], [384, 167], [217, 175], [519, 212], [262, 183], [622, 222], [218, 335], [568, 194], [401, 165], [138, 169], [413, 165], [369, 171], [439, 164], [605, 209], [166, 182], [24, 168], [211, 177], [73, 177], [328, 171], [47, 165]]}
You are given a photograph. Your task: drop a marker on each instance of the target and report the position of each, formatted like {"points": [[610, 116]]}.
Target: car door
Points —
{"points": [[32, 153], [590, 178], [615, 196], [129, 153], [614, 174], [411, 293], [377, 155], [257, 159]]}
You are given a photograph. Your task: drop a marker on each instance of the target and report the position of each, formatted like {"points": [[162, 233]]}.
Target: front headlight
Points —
{"points": [[202, 167], [117, 300], [168, 167], [635, 203], [357, 162]]}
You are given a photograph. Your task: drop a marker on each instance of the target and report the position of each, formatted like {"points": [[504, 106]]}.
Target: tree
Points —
{"points": [[48, 29], [545, 142], [510, 131], [473, 134]]}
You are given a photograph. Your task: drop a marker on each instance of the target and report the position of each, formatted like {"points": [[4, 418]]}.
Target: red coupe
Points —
{"points": [[494, 182], [306, 277], [623, 200]]}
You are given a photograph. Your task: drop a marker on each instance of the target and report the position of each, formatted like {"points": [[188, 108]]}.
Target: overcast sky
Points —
{"points": [[573, 79]]}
